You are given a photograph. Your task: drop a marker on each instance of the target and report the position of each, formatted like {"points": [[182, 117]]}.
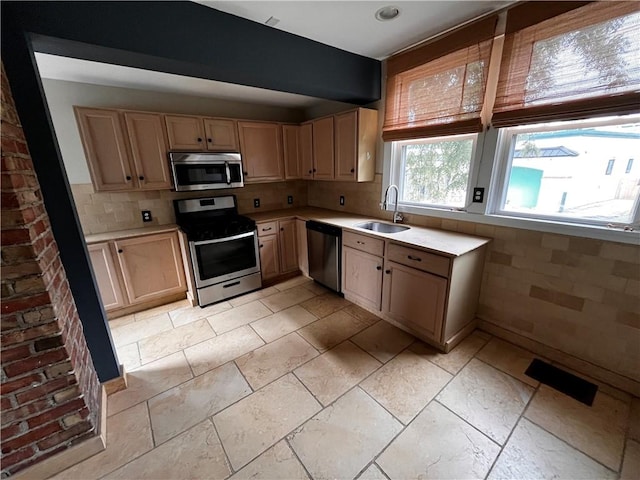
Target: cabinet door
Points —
{"points": [[148, 149], [185, 133], [303, 255], [306, 151], [323, 149], [362, 277], [151, 266], [221, 135], [105, 147], [106, 275], [269, 256], [261, 147], [291, 139], [415, 299], [288, 246], [346, 132]]}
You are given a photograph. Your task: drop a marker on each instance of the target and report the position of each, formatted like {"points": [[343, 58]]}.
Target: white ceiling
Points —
{"points": [[349, 25]]}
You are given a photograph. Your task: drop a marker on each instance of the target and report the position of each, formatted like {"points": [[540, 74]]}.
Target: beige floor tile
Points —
{"points": [[634, 419], [128, 437], [532, 453], [631, 462], [121, 321], [237, 317], [129, 356], [383, 340], [508, 358], [293, 282], [150, 380], [316, 288], [288, 298], [280, 324], [488, 399], [250, 297], [326, 304], [438, 445], [333, 329], [191, 314], [171, 341], [197, 453], [406, 384], [169, 307], [372, 472], [221, 349], [336, 371], [182, 407], [135, 331], [273, 360], [278, 462], [342, 439], [260, 420], [457, 358], [598, 430], [361, 314]]}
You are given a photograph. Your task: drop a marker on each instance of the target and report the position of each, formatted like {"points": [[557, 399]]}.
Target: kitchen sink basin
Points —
{"points": [[382, 227]]}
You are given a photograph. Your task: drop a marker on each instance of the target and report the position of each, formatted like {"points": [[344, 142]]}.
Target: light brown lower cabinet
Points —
{"points": [[362, 276], [269, 256], [138, 270], [278, 244], [303, 254]]}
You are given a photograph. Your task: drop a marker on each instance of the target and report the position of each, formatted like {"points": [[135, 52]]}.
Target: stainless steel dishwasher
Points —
{"points": [[325, 254]]}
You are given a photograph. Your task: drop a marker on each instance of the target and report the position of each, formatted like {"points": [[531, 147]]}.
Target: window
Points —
{"points": [[434, 172], [565, 172]]}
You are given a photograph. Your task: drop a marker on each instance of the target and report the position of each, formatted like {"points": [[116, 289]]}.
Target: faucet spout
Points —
{"points": [[397, 216]]}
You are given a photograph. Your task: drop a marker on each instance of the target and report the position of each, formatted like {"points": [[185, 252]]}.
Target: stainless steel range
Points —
{"points": [[223, 247]]}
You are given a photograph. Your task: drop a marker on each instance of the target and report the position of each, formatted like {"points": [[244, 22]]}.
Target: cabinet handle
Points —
{"points": [[387, 272], [359, 242], [128, 178], [352, 170], [266, 229], [378, 267], [417, 259], [231, 284], [119, 250], [281, 229], [199, 139], [141, 177], [210, 141]]}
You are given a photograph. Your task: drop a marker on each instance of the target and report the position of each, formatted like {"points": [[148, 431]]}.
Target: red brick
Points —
{"points": [[15, 237], [15, 305], [35, 362], [25, 411], [63, 436], [8, 322], [42, 390], [20, 383], [30, 437], [48, 343], [20, 336], [36, 459], [16, 353], [5, 403], [20, 270], [13, 430], [16, 457], [9, 200], [57, 412], [8, 145], [18, 253], [21, 147]]}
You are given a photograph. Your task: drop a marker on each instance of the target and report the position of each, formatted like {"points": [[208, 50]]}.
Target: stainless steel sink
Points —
{"points": [[382, 227]]}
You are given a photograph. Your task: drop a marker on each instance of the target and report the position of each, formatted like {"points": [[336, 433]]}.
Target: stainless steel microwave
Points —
{"points": [[205, 171]]}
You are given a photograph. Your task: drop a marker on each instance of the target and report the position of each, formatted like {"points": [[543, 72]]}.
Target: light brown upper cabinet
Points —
{"points": [[292, 160], [355, 145], [124, 155], [306, 150], [148, 150], [190, 132], [261, 147], [323, 167]]}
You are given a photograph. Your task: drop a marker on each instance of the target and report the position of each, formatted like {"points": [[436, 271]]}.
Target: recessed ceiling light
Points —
{"points": [[272, 21], [387, 13]]}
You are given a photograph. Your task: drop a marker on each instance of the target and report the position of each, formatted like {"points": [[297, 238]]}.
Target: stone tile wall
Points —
{"points": [[50, 390]]}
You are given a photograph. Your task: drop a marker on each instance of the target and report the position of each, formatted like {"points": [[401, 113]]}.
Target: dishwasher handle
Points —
{"points": [[324, 228]]}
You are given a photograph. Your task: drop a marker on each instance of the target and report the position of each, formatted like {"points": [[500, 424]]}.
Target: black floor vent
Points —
{"points": [[562, 381]]}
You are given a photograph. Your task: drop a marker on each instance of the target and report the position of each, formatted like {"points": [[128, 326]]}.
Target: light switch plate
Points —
{"points": [[290, 199], [342, 200], [256, 203], [146, 216]]}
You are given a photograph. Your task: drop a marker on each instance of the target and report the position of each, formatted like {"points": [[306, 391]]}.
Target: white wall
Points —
{"points": [[62, 96]]}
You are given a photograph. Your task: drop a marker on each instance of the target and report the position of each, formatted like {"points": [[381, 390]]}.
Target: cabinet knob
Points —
{"points": [[378, 267], [310, 171], [209, 140], [281, 229], [128, 178], [387, 272], [119, 250], [199, 139], [245, 173], [141, 177], [261, 245], [352, 170], [314, 170]]}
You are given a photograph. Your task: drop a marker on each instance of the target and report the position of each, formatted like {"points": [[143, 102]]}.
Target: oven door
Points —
{"points": [[223, 259], [188, 175]]}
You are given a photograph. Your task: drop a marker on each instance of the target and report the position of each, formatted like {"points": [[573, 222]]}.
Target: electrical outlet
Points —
{"points": [[290, 199], [256, 203], [146, 215], [478, 195], [342, 200]]}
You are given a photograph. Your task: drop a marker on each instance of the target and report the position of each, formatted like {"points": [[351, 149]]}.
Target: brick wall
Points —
{"points": [[577, 295], [50, 393]]}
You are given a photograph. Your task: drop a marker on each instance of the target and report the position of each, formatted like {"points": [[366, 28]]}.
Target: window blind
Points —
{"points": [[438, 88], [581, 63]]}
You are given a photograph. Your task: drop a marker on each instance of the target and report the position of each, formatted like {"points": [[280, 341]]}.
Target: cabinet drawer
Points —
{"points": [[427, 262], [267, 228], [362, 242]]}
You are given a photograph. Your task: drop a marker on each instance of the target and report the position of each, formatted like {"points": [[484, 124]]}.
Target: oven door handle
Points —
{"points": [[225, 239], [228, 171]]}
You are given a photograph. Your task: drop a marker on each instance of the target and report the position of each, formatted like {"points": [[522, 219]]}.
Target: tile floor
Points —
{"points": [[294, 382]]}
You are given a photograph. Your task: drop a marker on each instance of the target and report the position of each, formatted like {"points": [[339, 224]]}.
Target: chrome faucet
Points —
{"points": [[397, 216]]}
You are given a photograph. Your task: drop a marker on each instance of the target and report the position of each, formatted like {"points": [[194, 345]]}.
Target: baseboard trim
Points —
{"points": [[581, 366], [116, 384], [73, 455]]}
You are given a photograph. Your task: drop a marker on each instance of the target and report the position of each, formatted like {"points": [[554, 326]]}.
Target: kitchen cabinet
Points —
{"points": [[306, 150], [261, 147], [292, 159], [190, 132], [323, 150], [278, 247], [148, 150], [362, 269], [355, 145], [106, 275], [303, 254]]}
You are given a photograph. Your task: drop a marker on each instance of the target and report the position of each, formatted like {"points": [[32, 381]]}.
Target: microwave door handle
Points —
{"points": [[226, 167]]}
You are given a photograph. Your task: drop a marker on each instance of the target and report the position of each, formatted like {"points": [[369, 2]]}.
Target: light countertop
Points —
{"points": [[132, 232]]}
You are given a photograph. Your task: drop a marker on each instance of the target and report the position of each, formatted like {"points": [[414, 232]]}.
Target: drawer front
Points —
{"points": [[267, 228], [370, 245], [427, 262]]}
